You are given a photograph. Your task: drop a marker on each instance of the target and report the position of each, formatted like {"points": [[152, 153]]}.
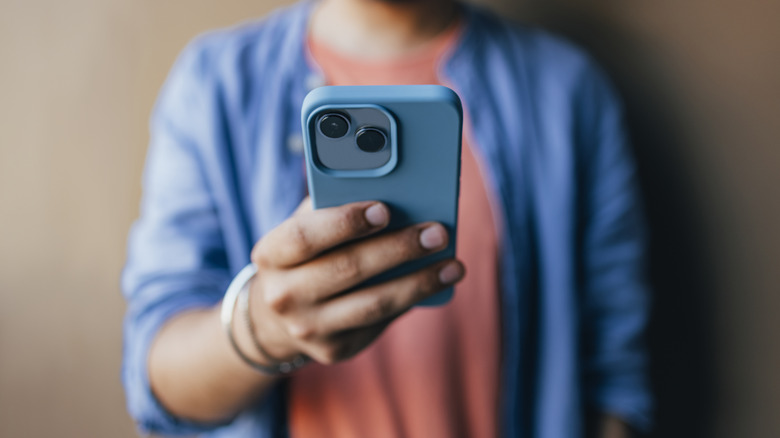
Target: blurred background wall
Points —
{"points": [[701, 80]]}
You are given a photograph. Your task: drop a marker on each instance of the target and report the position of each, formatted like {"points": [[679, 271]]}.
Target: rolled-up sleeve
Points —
{"points": [[616, 301], [176, 255]]}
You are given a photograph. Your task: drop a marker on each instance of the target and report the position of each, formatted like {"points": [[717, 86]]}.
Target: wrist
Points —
{"points": [[264, 334], [237, 295], [283, 363]]}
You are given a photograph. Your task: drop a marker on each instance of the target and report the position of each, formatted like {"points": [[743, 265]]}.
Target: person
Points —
{"points": [[544, 335]]}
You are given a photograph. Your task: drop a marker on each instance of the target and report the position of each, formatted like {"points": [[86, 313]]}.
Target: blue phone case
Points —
{"points": [[419, 183]]}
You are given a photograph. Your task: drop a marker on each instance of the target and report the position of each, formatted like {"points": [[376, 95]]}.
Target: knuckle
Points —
{"points": [[322, 355], [432, 282], [333, 353], [412, 248], [427, 283], [379, 308], [299, 243], [347, 222], [260, 256], [409, 246], [346, 267], [302, 331], [279, 299]]}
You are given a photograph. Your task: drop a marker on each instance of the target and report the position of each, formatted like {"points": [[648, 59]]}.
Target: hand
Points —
{"points": [[307, 263]]}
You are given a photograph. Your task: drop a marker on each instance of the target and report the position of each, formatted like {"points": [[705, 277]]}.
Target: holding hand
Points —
{"points": [[307, 263]]}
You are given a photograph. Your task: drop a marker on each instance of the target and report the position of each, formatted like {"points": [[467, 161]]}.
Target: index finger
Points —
{"points": [[310, 233]]}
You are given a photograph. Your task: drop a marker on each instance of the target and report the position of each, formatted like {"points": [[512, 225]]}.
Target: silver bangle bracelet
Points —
{"points": [[284, 367], [239, 289]]}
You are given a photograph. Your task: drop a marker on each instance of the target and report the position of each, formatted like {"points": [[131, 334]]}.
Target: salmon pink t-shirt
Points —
{"points": [[434, 372]]}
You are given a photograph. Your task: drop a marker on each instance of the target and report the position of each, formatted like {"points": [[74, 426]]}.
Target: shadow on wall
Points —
{"points": [[680, 336]]}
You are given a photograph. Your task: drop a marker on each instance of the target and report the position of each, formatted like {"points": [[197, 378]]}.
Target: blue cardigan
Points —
{"points": [[225, 166]]}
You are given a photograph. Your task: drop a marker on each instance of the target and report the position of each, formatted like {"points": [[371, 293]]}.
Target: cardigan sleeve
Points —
{"points": [[176, 256], [613, 241]]}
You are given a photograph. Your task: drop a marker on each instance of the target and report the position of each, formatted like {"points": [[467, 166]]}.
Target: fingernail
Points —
{"points": [[433, 237], [450, 273], [377, 215]]}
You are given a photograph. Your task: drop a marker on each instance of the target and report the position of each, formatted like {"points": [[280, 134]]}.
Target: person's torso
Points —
{"points": [[520, 87]]}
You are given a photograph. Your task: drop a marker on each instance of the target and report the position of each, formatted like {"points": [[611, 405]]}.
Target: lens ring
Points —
{"points": [[333, 125], [370, 140]]}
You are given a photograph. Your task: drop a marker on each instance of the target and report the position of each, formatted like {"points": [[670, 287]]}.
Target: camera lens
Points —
{"points": [[334, 125], [371, 140]]}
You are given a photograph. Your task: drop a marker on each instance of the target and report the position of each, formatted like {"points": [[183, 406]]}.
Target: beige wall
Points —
{"points": [[700, 78]]}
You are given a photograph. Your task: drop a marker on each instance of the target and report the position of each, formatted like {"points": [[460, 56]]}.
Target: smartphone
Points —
{"points": [[398, 144]]}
